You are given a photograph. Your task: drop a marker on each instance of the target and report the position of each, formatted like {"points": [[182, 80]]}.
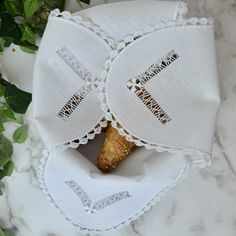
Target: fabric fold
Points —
{"points": [[155, 74]]}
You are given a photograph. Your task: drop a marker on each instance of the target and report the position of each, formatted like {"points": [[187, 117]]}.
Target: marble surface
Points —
{"points": [[202, 205]]}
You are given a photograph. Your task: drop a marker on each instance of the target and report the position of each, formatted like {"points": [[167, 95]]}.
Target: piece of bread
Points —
{"points": [[115, 149]]}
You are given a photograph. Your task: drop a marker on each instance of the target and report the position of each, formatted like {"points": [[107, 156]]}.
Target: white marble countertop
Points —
{"points": [[204, 204]]}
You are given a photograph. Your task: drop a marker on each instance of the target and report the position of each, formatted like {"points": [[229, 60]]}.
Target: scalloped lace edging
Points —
{"points": [[86, 23], [198, 157], [75, 143], [180, 14], [120, 46], [193, 158], [182, 10], [187, 167]]}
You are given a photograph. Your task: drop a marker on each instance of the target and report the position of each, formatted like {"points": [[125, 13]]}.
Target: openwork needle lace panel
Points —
{"points": [[74, 102], [91, 207], [199, 158], [152, 105], [136, 85], [79, 69], [194, 158]]}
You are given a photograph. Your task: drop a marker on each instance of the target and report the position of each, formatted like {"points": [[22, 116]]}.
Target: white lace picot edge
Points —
{"points": [[180, 14], [75, 143], [182, 10], [188, 165], [199, 158], [193, 159], [66, 15]]}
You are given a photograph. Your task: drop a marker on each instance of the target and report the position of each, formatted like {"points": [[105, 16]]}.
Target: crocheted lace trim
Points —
{"points": [[188, 165], [193, 158], [182, 10], [66, 15], [136, 86], [180, 14], [196, 156]]}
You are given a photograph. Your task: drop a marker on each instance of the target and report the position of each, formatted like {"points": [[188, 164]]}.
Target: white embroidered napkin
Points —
{"points": [[90, 200], [163, 88], [66, 72], [72, 54], [121, 19], [95, 202]]}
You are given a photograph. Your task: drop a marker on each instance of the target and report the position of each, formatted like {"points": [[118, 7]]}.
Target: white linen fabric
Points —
{"points": [[121, 19], [166, 94], [162, 54], [95, 202], [65, 69], [72, 52]]}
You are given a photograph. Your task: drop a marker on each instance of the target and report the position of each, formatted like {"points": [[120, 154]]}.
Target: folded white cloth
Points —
{"points": [[159, 83], [72, 52], [163, 87], [121, 19]]}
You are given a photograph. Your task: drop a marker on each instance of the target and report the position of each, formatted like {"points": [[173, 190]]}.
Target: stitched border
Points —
{"points": [[191, 162], [184, 172], [90, 82], [196, 155], [136, 85]]}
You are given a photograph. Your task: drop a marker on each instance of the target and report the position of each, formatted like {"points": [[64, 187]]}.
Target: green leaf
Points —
{"points": [[17, 99], [30, 7], [85, 1], [8, 168], [8, 42], [39, 28], [2, 90], [8, 27], [2, 7], [27, 34], [27, 50], [7, 112], [4, 158], [26, 44], [1, 232], [9, 232], [11, 6], [2, 174], [2, 43], [52, 4], [3, 81], [2, 129], [3, 119], [20, 135], [18, 119], [6, 145], [79, 2]]}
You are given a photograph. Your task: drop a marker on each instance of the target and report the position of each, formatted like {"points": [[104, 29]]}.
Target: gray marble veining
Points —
{"points": [[203, 204]]}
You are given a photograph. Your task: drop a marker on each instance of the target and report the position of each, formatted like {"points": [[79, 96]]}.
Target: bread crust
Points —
{"points": [[115, 149]]}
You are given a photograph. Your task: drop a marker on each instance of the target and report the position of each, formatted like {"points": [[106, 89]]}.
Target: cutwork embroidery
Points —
{"points": [[90, 82], [133, 39], [91, 207], [136, 85], [152, 105], [74, 101]]}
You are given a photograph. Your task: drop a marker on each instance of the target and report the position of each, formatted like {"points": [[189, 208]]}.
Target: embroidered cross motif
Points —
{"points": [[136, 85], [91, 207], [80, 70]]}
